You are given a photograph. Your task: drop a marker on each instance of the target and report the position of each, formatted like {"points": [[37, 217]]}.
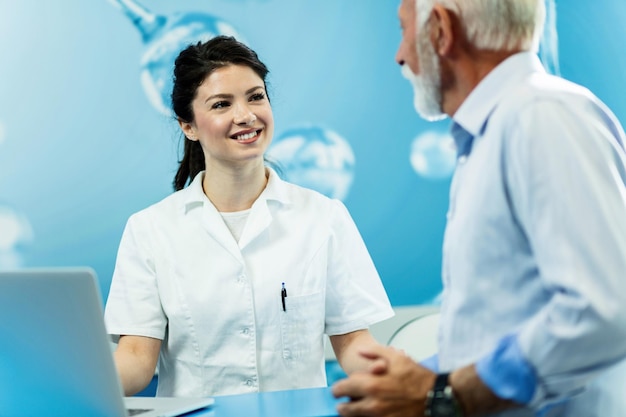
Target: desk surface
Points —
{"points": [[313, 402]]}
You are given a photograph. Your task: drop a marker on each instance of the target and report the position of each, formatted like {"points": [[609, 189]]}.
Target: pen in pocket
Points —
{"points": [[283, 295]]}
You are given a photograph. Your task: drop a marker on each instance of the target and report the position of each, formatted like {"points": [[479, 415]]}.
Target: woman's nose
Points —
{"points": [[244, 116]]}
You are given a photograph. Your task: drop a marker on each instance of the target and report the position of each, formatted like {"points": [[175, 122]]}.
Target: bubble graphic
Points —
{"points": [[315, 158], [433, 155], [164, 37], [15, 230]]}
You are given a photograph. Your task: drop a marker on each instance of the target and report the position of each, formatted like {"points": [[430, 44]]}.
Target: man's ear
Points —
{"points": [[443, 30], [188, 130]]}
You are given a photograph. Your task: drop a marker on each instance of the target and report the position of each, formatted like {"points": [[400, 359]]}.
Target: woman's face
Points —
{"points": [[233, 118]]}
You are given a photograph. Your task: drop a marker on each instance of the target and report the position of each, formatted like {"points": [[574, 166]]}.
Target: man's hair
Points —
{"points": [[494, 24]]}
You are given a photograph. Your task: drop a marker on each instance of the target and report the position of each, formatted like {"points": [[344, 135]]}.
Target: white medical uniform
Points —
{"points": [[181, 277]]}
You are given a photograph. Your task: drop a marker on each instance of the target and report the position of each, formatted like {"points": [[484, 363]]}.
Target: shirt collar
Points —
{"points": [[275, 190], [474, 112]]}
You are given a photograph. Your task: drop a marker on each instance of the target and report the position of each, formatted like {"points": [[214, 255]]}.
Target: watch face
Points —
{"points": [[443, 407]]}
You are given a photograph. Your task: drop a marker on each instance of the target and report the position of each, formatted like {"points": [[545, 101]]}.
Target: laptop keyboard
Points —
{"points": [[136, 411]]}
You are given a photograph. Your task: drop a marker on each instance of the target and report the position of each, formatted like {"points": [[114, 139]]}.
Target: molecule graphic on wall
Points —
{"points": [[16, 231], [315, 158], [433, 155], [164, 37]]}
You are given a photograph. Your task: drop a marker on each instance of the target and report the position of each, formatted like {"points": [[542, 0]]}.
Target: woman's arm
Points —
{"points": [[347, 349], [136, 358]]}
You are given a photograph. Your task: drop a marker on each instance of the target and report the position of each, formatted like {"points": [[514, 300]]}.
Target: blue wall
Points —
{"points": [[83, 143]]}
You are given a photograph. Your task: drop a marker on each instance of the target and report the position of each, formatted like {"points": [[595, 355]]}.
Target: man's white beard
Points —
{"points": [[427, 85]]}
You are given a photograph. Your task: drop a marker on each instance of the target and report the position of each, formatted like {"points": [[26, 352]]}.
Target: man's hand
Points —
{"points": [[394, 386]]}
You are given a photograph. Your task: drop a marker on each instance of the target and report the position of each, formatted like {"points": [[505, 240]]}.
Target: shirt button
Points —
{"points": [[249, 382], [462, 159], [245, 330]]}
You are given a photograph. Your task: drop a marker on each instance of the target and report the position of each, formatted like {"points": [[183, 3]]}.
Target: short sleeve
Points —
{"points": [[133, 306], [355, 296]]}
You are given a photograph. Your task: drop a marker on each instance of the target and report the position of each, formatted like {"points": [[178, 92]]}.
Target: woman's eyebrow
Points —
{"points": [[226, 96]]}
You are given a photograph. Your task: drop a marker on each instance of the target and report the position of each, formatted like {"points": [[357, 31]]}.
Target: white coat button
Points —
{"points": [[249, 382], [245, 330]]}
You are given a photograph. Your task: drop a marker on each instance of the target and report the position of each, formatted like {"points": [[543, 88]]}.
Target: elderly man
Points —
{"points": [[534, 254]]}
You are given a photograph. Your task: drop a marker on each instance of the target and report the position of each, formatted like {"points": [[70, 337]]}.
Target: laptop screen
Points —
{"points": [[55, 357]]}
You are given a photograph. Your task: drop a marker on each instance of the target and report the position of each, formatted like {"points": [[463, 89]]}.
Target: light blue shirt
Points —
{"points": [[534, 255]]}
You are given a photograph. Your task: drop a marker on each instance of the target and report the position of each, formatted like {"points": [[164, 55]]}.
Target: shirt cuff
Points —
{"points": [[431, 362], [507, 373]]}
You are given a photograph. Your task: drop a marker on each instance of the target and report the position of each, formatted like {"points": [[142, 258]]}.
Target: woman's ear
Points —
{"points": [[188, 130]]}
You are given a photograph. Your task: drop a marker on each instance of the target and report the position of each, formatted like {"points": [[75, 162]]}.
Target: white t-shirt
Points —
{"points": [[181, 277], [236, 221]]}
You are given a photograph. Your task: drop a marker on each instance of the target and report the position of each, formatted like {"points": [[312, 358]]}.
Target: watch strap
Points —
{"points": [[441, 382], [440, 401]]}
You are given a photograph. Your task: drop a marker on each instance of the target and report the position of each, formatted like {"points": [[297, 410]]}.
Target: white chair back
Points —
{"points": [[417, 337]]}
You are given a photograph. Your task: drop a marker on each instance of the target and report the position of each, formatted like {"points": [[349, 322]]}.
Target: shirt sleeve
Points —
{"points": [[355, 296], [507, 373], [566, 174], [133, 306], [431, 363]]}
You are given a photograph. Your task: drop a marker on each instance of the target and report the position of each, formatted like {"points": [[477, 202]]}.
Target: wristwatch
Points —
{"points": [[440, 401]]}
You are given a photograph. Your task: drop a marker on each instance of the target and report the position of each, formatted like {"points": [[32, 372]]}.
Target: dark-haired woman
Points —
{"points": [[231, 283]]}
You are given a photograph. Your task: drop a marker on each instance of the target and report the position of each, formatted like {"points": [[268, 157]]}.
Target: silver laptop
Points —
{"points": [[55, 355]]}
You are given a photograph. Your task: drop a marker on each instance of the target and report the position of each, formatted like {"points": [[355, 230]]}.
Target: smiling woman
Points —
{"points": [[233, 123], [220, 94], [232, 282]]}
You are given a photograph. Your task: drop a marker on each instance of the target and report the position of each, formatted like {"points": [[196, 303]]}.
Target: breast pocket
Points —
{"points": [[302, 326]]}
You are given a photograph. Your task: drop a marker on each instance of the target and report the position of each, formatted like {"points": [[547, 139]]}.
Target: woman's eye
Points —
{"points": [[257, 97], [220, 104]]}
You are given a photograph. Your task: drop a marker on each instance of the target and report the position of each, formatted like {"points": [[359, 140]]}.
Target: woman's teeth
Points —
{"points": [[247, 136]]}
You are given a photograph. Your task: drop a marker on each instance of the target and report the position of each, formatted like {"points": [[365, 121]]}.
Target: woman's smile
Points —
{"points": [[247, 136]]}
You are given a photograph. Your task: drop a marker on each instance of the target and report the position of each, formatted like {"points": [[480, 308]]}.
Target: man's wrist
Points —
{"points": [[473, 396]]}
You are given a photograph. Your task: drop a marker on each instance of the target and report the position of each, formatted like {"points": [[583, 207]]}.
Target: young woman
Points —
{"points": [[231, 282]]}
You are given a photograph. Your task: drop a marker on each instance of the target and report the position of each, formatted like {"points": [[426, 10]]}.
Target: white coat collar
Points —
{"points": [[275, 190]]}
